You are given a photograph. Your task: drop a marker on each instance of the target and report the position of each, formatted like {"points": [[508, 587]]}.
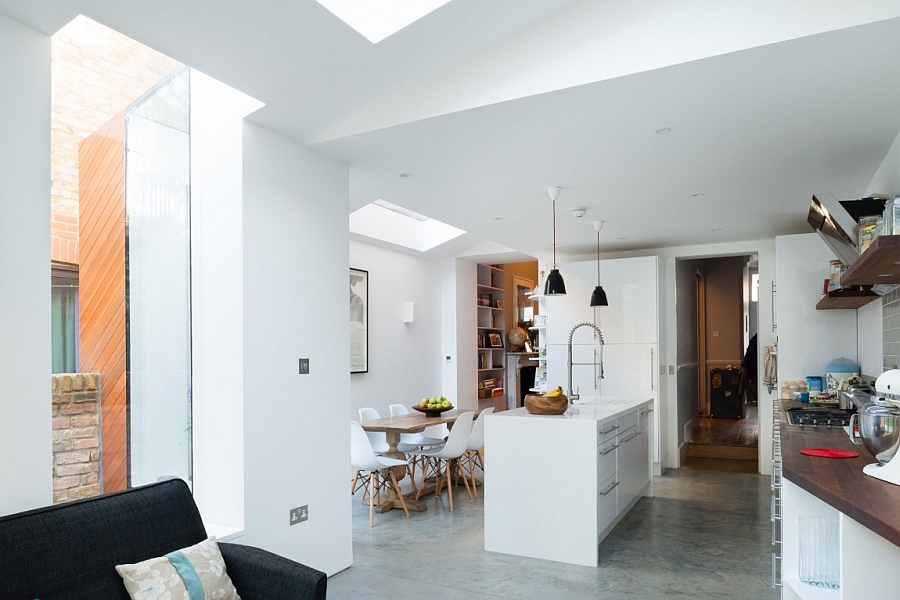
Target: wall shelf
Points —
{"points": [[846, 299], [879, 264]]}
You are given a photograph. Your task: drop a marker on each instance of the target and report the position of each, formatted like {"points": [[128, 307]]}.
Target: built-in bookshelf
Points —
{"points": [[491, 338]]}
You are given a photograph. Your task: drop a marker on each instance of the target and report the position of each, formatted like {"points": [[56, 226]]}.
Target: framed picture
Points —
{"points": [[359, 321], [496, 340], [498, 303]]}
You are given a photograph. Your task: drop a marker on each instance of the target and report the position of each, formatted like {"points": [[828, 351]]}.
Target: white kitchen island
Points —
{"points": [[555, 486]]}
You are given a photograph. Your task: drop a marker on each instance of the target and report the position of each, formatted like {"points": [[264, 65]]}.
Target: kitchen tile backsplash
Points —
{"points": [[890, 304]]}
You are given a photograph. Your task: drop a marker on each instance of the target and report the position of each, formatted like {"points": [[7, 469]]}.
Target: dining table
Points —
{"points": [[393, 428]]}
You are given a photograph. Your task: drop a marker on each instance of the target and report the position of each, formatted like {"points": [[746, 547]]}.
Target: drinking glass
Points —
{"points": [[819, 558]]}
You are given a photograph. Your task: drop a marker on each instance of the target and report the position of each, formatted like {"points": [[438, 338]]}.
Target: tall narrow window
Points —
{"points": [[157, 293], [64, 311]]}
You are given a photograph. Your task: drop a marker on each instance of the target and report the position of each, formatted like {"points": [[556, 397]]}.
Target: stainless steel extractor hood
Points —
{"points": [[832, 233]]}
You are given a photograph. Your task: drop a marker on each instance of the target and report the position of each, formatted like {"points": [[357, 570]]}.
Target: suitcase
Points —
{"points": [[725, 395]]}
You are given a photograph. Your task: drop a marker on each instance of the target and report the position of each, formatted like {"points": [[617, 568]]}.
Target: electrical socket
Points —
{"points": [[304, 366], [299, 514]]}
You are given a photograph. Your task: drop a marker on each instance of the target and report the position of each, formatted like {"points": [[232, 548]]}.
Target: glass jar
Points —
{"points": [[866, 232], [895, 216], [834, 282]]}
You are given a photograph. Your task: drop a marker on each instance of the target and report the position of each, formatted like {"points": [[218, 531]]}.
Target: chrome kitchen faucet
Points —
{"points": [[572, 394]]}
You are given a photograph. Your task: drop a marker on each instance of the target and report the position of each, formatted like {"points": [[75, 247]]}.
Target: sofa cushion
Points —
{"points": [[197, 572]]}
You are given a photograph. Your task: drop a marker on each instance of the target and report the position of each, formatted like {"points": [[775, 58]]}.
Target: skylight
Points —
{"points": [[378, 19], [396, 225]]}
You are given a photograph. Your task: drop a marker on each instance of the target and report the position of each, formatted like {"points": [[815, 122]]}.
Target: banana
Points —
{"points": [[554, 393]]}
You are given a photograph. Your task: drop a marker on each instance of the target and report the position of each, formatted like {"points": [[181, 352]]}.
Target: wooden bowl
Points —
{"points": [[537, 404], [432, 412]]}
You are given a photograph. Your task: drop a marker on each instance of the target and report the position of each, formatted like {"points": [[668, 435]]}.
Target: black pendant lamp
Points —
{"points": [[555, 285], [598, 298]]}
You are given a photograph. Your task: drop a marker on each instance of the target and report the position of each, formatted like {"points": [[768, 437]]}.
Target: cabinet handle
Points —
{"points": [[652, 370], [608, 450], [629, 438], [646, 412], [611, 488], [610, 430], [775, 582], [774, 312]]}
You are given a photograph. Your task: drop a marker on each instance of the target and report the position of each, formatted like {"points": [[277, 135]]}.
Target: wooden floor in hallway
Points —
{"points": [[721, 444]]}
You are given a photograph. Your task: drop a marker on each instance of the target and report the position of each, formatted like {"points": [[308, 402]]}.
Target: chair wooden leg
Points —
{"points": [[466, 483], [472, 471], [447, 465], [353, 484], [412, 479], [372, 493], [422, 485], [398, 492]]}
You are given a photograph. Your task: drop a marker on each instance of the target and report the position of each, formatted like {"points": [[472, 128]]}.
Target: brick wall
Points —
{"points": [[76, 436], [96, 73]]}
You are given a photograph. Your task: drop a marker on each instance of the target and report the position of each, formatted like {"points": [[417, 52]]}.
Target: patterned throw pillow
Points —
{"points": [[195, 573]]}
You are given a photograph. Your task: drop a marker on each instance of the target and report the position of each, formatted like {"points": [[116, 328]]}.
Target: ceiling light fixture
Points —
{"points": [[405, 175], [598, 298], [555, 285], [663, 131], [697, 195]]}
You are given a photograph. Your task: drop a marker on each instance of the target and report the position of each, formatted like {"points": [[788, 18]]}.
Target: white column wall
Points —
{"points": [[26, 427], [404, 358], [296, 439]]}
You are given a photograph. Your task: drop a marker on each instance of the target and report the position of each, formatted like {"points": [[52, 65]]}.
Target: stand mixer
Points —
{"points": [[887, 388]]}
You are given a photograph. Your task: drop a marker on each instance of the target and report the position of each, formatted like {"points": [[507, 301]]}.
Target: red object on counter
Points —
{"points": [[829, 452]]}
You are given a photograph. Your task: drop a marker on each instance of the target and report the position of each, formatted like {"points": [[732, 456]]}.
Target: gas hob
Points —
{"points": [[817, 417]]}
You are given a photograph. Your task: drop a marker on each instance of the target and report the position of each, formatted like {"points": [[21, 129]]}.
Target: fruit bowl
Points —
{"points": [[432, 412]]}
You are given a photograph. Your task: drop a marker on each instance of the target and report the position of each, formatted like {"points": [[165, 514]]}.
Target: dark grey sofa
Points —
{"points": [[69, 551]]}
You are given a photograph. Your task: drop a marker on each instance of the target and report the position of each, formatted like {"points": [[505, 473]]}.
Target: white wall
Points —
{"points": [[808, 339], [296, 439], [404, 358], [25, 430], [459, 377]]}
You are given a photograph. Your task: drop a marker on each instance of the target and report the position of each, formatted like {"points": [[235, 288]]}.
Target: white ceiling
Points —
{"points": [[488, 102]]}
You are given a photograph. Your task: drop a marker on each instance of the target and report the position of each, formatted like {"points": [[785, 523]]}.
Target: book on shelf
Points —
{"points": [[497, 392]]}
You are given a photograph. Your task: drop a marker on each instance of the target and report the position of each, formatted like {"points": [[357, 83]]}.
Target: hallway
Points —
{"points": [[680, 543]]}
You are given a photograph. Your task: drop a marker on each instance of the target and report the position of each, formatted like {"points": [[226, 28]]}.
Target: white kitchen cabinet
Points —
{"points": [[867, 561], [558, 484]]}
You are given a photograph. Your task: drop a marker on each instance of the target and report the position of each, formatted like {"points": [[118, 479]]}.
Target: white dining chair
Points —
{"points": [[377, 469], [444, 461], [376, 438], [476, 444]]}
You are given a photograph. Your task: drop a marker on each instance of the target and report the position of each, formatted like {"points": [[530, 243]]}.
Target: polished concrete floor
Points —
{"points": [[704, 535]]}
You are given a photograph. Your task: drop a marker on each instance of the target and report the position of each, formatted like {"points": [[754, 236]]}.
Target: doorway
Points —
{"points": [[724, 434]]}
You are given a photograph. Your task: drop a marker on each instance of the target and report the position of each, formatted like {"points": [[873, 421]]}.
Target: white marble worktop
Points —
{"points": [[587, 408]]}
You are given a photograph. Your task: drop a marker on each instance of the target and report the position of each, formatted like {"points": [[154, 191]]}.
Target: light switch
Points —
{"points": [[304, 366]]}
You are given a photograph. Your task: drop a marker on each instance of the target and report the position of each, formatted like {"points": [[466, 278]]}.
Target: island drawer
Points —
{"points": [[626, 422], [606, 432], [606, 459], [607, 503]]}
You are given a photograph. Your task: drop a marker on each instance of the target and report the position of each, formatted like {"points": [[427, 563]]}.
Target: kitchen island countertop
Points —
{"points": [[841, 482], [589, 408]]}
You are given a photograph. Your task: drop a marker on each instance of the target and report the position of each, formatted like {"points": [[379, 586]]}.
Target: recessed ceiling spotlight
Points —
{"points": [[623, 238], [717, 229], [697, 195], [499, 218], [663, 131], [405, 175]]}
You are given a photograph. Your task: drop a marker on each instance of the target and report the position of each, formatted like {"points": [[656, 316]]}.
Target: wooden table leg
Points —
{"points": [[389, 499]]}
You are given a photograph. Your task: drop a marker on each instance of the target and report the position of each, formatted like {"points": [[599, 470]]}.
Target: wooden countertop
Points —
{"points": [[840, 482]]}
